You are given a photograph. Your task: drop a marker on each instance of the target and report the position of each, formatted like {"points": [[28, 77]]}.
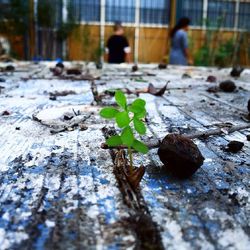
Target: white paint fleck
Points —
{"points": [[207, 160], [4, 243], [234, 239], [93, 212], [3, 167], [50, 223], [6, 216], [175, 231]]}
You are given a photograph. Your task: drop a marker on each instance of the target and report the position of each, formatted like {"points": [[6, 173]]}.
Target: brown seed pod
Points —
{"points": [[234, 146], [180, 155], [211, 78], [227, 86]]}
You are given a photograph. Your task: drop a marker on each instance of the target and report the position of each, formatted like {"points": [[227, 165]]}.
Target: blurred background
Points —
{"points": [[78, 29]]}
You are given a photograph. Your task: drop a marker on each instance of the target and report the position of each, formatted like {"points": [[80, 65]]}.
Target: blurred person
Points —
{"points": [[179, 53], [4, 48], [117, 48]]}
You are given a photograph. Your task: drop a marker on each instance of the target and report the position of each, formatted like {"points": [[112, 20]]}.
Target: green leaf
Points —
{"points": [[141, 115], [108, 113], [139, 103], [127, 136], [114, 141], [135, 109], [139, 126], [121, 99], [122, 119], [137, 106], [140, 147]]}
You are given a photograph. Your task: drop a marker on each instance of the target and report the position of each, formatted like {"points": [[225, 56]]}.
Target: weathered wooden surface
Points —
{"points": [[59, 190]]}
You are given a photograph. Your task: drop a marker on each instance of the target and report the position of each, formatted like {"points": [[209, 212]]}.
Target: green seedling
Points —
{"points": [[129, 118]]}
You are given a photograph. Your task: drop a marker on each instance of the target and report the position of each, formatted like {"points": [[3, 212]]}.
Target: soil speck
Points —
{"points": [[236, 71], [5, 113], [162, 66], [74, 72], [135, 68]]}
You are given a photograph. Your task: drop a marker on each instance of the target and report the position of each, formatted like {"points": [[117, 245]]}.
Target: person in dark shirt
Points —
{"points": [[117, 49]]}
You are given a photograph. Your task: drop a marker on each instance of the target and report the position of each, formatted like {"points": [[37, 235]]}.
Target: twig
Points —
{"points": [[97, 97], [72, 78], [218, 131], [150, 89], [198, 135], [65, 126], [150, 145]]}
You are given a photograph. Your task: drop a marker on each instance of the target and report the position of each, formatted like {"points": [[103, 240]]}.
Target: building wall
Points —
{"points": [[152, 44], [83, 43]]}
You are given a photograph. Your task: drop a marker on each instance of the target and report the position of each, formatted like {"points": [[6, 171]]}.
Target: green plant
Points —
{"points": [[14, 17], [125, 116], [214, 51], [47, 20], [224, 54], [15, 21], [98, 53], [202, 56], [67, 27]]}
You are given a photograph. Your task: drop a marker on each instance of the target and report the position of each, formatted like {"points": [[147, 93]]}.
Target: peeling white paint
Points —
{"points": [[35, 139], [50, 223], [234, 239], [176, 241]]}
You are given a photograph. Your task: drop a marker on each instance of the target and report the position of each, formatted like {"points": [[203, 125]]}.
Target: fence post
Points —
{"points": [[31, 30], [172, 20], [64, 19], [137, 31], [102, 27], [35, 4]]}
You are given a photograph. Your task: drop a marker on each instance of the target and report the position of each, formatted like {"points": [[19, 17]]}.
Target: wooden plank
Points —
{"points": [[60, 191]]}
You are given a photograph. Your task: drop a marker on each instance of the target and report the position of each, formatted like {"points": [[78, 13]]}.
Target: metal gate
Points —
{"points": [[48, 19]]}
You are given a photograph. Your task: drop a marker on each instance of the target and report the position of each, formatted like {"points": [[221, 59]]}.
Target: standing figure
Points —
{"points": [[117, 49], [179, 53], [4, 48]]}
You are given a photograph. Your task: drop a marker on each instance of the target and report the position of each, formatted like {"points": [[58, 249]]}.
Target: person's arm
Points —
{"points": [[106, 54], [127, 51], [107, 50], [188, 56], [186, 49]]}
